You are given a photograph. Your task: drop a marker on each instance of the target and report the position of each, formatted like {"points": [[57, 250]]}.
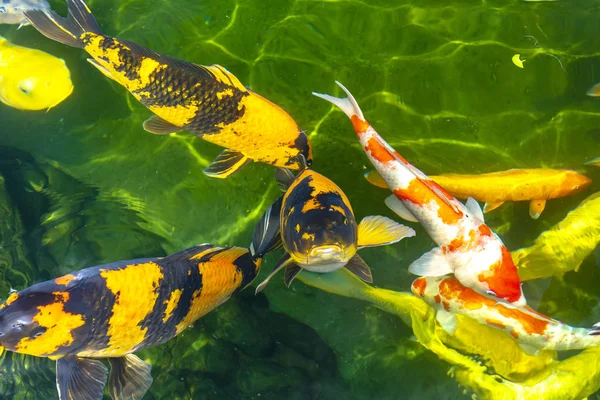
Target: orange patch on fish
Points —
{"points": [[451, 288], [514, 334], [437, 298], [446, 305], [503, 279], [456, 244], [419, 286], [360, 126], [420, 193], [65, 280], [379, 151], [494, 323], [484, 230]]}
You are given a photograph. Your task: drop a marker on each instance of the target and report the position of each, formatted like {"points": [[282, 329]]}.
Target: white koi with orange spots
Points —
{"points": [[532, 330], [467, 246]]}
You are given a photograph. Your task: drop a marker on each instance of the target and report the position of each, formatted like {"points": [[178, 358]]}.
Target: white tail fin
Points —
{"points": [[347, 105]]}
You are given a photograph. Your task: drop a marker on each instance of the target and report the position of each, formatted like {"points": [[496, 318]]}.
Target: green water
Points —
{"points": [[84, 184]]}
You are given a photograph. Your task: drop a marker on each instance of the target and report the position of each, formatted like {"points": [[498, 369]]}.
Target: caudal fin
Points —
{"points": [[65, 30], [347, 105]]}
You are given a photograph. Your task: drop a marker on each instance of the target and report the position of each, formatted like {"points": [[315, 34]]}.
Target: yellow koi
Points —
{"points": [[495, 188], [31, 79], [207, 101]]}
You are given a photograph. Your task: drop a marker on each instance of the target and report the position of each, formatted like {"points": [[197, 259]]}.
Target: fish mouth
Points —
{"points": [[326, 254]]}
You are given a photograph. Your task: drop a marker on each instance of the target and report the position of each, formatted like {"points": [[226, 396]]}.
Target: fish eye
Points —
{"points": [[575, 187], [24, 90]]}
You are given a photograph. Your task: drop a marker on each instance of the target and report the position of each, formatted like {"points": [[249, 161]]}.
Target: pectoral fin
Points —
{"points": [[432, 263], [130, 378], [536, 207], [267, 233], [358, 267], [374, 178], [399, 208], [159, 126], [80, 378], [227, 163], [376, 230], [529, 349], [283, 261], [490, 206], [473, 206], [447, 320], [100, 68], [290, 272]]}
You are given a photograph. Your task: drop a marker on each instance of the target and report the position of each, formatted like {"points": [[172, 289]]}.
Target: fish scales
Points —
{"points": [[193, 99]]}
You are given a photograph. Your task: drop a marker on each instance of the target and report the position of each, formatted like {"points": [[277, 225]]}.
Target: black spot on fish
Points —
{"points": [[300, 194], [303, 145], [245, 264]]}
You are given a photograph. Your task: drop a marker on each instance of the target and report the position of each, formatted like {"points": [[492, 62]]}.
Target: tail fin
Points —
{"points": [[347, 105], [65, 30]]}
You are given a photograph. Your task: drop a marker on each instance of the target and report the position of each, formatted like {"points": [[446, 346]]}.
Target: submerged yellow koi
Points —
{"points": [[495, 188], [113, 310], [563, 247], [31, 79], [595, 162], [502, 369], [207, 101]]}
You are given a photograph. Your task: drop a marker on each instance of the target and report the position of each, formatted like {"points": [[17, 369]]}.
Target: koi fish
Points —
{"points": [[11, 11], [31, 79], [532, 330], [551, 255], [113, 310], [207, 101], [495, 188], [467, 246], [315, 223]]}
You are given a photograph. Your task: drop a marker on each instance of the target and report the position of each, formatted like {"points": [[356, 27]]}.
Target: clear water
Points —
{"points": [[85, 185]]}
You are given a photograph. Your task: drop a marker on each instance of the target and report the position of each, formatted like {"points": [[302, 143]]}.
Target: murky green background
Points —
{"points": [[84, 184]]}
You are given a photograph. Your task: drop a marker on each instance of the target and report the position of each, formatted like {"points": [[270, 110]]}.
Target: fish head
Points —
{"points": [[576, 183], [427, 287], [38, 81], [17, 318], [318, 226], [321, 238]]}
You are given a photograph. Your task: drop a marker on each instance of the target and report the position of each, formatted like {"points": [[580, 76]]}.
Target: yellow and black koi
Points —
{"points": [[315, 223], [113, 310], [207, 101]]}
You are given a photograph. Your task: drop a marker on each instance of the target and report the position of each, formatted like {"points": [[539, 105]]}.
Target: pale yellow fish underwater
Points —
{"points": [[594, 161], [563, 247], [31, 79], [502, 370]]}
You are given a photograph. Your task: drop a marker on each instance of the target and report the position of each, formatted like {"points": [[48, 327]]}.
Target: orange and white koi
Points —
{"points": [[532, 330], [536, 185], [467, 246]]}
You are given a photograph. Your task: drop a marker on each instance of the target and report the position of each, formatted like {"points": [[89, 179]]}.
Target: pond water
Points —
{"points": [[84, 184]]}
